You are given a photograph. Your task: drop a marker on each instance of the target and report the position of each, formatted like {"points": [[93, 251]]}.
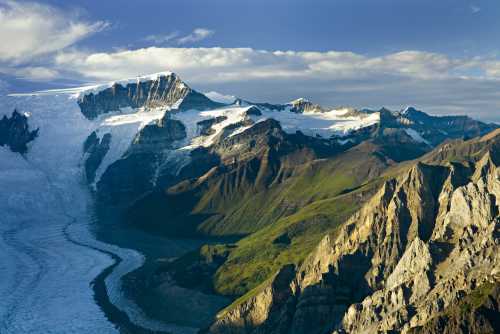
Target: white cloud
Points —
{"points": [[162, 39], [28, 30], [475, 9], [236, 64], [36, 73], [197, 35]]}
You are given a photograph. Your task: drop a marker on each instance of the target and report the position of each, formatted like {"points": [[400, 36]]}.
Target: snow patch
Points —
{"points": [[415, 136], [123, 128], [218, 97]]}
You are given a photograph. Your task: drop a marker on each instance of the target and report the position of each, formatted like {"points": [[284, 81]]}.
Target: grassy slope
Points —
{"points": [[250, 210], [315, 200], [258, 256]]}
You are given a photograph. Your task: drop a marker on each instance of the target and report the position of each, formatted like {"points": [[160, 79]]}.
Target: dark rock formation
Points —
{"points": [[15, 132], [160, 135], [303, 105], [165, 91], [204, 127], [141, 167], [95, 149], [253, 111]]}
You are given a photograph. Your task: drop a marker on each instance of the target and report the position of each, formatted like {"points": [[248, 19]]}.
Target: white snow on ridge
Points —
{"points": [[123, 82], [415, 136], [218, 97], [123, 128], [324, 124], [190, 119]]}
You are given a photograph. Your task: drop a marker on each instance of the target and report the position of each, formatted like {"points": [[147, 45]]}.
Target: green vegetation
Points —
{"points": [[476, 298], [258, 256]]}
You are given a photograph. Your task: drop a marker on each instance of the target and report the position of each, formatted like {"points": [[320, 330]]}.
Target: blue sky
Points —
{"points": [[442, 56], [456, 27]]}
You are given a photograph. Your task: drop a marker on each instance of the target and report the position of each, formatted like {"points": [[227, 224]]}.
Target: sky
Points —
{"points": [[441, 56]]}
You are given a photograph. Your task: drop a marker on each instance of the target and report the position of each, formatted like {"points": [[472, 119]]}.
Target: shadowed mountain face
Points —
{"points": [[15, 132]]}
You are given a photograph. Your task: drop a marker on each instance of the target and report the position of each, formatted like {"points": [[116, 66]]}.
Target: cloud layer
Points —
{"points": [[232, 64], [28, 30]]}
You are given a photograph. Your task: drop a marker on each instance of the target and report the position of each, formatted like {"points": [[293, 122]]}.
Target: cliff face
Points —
{"points": [[15, 132], [160, 92], [420, 256]]}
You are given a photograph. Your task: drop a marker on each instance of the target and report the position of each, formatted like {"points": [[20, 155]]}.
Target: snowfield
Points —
{"points": [[49, 255]]}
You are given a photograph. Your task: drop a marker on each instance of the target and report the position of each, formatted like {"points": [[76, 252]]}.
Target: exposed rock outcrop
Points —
{"points": [[204, 127], [15, 132], [139, 169], [164, 91], [302, 105], [95, 149]]}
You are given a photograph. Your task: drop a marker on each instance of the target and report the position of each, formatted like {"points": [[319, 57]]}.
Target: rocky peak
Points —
{"points": [[414, 114], [302, 105], [163, 90]]}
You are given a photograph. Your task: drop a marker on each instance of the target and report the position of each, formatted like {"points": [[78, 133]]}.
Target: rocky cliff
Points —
{"points": [[15, 132], [420, 256], [161, 91]]}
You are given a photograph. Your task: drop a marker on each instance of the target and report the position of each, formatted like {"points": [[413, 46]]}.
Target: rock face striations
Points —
{"points": [[422, 256], [164, 90]]}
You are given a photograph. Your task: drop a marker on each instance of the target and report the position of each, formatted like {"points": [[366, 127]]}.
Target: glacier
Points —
{"points": [[49, 256]]}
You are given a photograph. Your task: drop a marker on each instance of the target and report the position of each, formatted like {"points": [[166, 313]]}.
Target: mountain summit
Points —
{"points": [[159, 90]]}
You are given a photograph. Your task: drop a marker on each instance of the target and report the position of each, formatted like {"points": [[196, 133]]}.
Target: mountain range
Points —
{"points": [[316, 220]]}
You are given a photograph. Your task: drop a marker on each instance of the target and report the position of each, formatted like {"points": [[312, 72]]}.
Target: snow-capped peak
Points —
{"points": [[407, 110], [300, 100], [95, 89]]}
